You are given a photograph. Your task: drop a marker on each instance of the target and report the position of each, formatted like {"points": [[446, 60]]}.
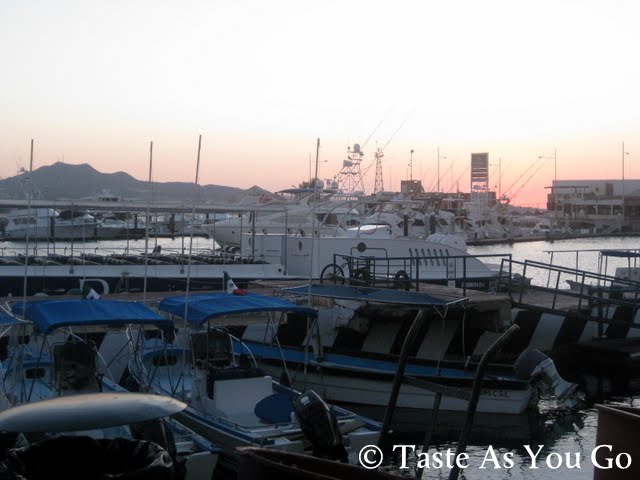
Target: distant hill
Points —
{"points": [[65, 181]]}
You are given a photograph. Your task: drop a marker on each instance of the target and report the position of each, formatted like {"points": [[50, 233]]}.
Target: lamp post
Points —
{"points": [[555, 177]]}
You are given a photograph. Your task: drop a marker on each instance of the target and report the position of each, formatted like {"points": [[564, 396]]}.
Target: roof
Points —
{"points": [[203, 307], [370, 294], [48, 315]]}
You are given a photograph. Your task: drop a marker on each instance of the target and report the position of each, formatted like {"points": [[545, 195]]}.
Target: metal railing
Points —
{"points": [[409, 272], [589, 295]]}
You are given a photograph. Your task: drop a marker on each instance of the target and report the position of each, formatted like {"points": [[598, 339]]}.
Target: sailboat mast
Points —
{"points": [[146, 228], [26, 238], [193, 215]]}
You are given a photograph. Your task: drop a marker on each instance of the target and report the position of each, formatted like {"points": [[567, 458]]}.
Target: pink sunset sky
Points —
{"points": [[95, 82]]}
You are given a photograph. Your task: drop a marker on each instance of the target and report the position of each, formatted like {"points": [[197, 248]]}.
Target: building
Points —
{"points": [[604, 206]]}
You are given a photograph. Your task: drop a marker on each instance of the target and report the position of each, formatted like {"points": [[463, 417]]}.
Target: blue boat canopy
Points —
{"points": [[370, 294], [203, 307], [48, 315]]}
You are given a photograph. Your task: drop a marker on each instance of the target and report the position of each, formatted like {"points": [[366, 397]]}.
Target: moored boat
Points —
{"points": [[235, 404]]}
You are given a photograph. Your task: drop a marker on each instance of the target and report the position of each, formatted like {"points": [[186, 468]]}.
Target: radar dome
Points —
{"points": [[356, 148]]}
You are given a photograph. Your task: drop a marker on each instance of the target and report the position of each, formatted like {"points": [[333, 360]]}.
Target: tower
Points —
{"points": [[349, 178], [379, 182]]}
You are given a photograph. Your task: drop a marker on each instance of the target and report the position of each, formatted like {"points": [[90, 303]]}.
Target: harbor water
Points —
{"points": [[562, 434], [498, 443]]}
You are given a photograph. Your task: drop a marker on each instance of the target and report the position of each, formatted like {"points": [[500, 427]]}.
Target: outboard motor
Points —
{"points": [[320, 426], [532, 364]]}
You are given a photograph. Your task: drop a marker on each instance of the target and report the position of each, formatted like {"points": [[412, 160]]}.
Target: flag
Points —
{"points": [[89, 293], [231, 287]]}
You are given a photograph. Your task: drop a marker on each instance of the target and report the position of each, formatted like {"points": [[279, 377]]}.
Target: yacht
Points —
{"points": [[299, 213], [48, 224]]}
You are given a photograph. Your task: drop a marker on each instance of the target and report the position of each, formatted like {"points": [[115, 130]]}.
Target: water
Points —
{"points": [[559, 431], [137, 246]]}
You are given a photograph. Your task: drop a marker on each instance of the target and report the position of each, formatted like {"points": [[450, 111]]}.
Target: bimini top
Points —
{"points": [[370, 294], [203, 307], [48, 315]]}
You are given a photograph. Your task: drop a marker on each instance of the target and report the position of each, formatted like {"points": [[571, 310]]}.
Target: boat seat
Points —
{"points": [[240, 395], [276, 408]]}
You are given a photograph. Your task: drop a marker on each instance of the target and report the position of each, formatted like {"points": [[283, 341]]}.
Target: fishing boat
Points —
{"points": [[233, 403], [77, 347], [437, 258], [306, 209], [350, 354]]}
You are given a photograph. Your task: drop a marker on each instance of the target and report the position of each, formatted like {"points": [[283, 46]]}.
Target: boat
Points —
{"points": [[56, 273], [61, 360], [437, 258], [301, 213], [110, 227], [48, 224], [236, 404], [99, 435], [350, 355]]}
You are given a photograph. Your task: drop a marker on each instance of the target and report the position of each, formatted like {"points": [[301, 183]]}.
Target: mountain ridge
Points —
{"points": [[61, 181]]}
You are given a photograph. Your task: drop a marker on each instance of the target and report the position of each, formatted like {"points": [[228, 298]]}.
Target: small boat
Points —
{"points": [[61, 360], [235, 404], [100, 435]]}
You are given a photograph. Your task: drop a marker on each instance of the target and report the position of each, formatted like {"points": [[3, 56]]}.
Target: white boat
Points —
{"points": [[302, 214], [61, 362], [125, 272], [110, 227], [104, 435], [236, 405], [407, 217], [439, 257], [48, 224]]}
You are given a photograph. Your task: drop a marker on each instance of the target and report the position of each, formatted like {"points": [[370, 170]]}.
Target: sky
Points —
{"points": [[96, 82]]}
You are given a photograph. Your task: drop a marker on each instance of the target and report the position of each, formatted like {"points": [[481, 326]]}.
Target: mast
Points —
{"points": [[193, 214], [146, 227], [26, 238]]}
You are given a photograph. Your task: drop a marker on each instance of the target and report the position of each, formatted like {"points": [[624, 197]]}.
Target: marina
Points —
{"points": [[549, 424]]}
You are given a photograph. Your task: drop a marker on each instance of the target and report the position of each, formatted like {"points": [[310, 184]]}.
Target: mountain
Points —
{"points": [[65, 181]]}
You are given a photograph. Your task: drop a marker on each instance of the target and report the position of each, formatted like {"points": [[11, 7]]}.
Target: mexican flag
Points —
{"points": [[89, 293], [231, 287]]}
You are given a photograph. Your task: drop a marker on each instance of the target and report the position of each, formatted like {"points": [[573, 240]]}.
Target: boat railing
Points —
{"points": [[408, 272], [587, 294], [597, 258]]}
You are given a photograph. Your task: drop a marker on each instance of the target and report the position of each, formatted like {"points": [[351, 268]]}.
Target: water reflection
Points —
{"points": [[567, 438]]}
